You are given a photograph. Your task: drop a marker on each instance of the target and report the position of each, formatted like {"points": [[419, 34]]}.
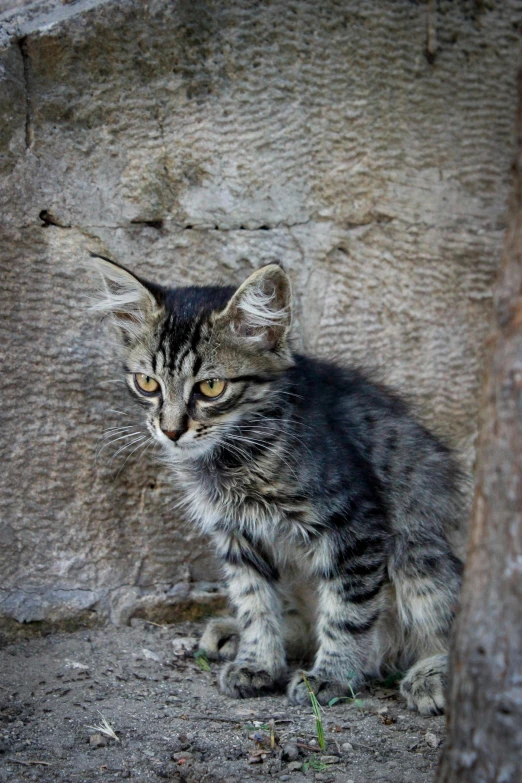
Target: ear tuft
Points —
{"points": [[259, 313], [122, 295]]}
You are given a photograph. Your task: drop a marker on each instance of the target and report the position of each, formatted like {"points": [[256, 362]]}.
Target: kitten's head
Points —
{"points": [[199, 359]]}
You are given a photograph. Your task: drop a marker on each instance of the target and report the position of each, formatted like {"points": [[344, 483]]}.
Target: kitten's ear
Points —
{"points": [[260, 312], [124, 296]]}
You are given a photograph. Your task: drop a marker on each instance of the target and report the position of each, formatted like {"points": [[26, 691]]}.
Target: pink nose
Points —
{"points": [[173, 434]]}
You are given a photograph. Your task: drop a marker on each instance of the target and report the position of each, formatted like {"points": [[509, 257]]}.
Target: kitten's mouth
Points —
{"points": [[183, 446]]}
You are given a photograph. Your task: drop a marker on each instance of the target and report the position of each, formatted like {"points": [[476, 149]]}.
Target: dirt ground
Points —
{"points": [[173, 724]]}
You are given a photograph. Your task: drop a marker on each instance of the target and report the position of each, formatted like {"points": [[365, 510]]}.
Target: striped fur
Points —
{"points": [[331, 508]]}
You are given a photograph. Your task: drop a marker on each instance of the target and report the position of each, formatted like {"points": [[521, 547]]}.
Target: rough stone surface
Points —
{"points": [[194, 141]]}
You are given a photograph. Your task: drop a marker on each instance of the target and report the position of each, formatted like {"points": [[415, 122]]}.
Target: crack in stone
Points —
{"points": [[26, 63], [50, 221]]}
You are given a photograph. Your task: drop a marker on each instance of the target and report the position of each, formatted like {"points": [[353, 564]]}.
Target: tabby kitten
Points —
{"points": [[331, 508]]}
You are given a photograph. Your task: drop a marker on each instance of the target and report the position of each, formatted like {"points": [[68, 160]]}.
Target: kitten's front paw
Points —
{"points": [[424, 685], [244, 682], [325, 689]]}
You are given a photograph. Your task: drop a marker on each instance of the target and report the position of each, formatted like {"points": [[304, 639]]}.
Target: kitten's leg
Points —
{"points": [[427, 591], [220, 640], [260, 661], [349, 610]]}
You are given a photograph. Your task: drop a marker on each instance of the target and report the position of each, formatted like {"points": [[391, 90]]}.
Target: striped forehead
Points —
{"points": [[177, 345], [186, 325]]}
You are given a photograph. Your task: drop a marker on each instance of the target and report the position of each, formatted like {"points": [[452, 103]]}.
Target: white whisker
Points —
{"points": [[110, 442], [139, 446], [126, 446], [113, 430]]}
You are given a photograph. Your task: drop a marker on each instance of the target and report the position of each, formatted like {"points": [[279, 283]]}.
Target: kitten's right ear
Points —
{"points": [[124, 296]]}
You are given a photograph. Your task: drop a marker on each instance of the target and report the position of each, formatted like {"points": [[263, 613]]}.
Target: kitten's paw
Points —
{"points": [[242, 681], [424, 685], [325, 689], [220, 640]]}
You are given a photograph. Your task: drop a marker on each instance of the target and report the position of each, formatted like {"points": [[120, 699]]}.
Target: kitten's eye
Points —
{"points": [[213, 387], [146, 384]]}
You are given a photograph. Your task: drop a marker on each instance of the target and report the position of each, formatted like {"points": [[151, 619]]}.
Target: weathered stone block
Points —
{"points": [[194, 141]]}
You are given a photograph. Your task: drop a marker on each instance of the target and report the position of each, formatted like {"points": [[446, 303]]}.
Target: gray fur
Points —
{"points": [[332, 509]]}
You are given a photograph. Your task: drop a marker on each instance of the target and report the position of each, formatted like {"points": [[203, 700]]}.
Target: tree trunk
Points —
{"points": [[485, 700]]}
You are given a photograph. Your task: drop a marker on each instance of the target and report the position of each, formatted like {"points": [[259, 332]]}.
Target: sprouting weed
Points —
{"points": [[202, 660], [104, 728], [316, 707], [256, 726], [352, 698], [314, 763], [272, 733]]}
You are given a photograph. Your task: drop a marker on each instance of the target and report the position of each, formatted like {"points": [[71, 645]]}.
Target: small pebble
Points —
{"points": [[330, 759], [284, 777], [290, 752], [150, 655], [184, 645], [347, 746], [294, 766], [431, 739], [260, 736], [97, 741], [183, 754], [179, 590]]}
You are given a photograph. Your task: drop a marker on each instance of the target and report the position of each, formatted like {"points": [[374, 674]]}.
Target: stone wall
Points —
{"points": [[364, 145]]}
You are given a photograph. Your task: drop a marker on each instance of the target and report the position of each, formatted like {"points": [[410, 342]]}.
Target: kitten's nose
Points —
{"points": [[173, 434]]}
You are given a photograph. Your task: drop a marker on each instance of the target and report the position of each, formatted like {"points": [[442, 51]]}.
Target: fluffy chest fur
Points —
{"points": [[253, 501]]}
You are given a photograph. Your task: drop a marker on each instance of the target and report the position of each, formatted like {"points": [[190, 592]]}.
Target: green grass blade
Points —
{"points": [[316, 708]]}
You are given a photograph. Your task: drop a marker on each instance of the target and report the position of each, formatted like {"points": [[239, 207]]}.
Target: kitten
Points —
{"points": [[331, 508]]}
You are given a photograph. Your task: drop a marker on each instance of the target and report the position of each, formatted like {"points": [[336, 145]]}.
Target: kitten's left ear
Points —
{"points": [[129, 300], [260, 313]]}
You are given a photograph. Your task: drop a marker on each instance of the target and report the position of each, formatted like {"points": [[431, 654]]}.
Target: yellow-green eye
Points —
{"points": [[213, 387], [145, 383]]}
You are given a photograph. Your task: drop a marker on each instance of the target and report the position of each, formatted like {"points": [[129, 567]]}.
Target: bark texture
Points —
{"points": [[485, 701], [194, 141]]}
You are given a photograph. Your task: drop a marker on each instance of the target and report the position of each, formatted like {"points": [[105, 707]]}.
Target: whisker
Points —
{"points": [[139, 446], [121, 437], [126, 446], [113, 430], [151, 442]]}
